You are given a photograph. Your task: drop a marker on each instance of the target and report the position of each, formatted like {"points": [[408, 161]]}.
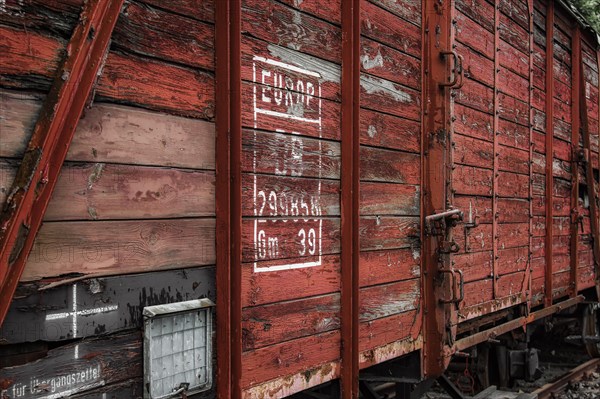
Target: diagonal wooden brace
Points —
{"points": [[34, 183]]}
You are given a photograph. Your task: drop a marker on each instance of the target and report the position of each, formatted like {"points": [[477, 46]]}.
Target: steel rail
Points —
{"points": [[45, 154], [550, 389]]}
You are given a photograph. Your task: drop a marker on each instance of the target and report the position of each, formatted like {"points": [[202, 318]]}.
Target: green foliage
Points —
{"points": [[590, 10]]}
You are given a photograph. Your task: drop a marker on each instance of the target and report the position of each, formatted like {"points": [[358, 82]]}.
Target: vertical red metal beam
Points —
{"points": [[495, 211], [531, 11], [228, 197], [436, 169], [575, 128], [350, 196], [38, 173], [549, 147], [222, 199]]}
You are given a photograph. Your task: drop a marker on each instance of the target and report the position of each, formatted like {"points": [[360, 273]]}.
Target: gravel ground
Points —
{"points": [[587, 388]]}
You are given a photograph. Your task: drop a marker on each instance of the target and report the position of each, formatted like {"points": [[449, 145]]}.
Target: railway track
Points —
{"points": [[552, 389]]}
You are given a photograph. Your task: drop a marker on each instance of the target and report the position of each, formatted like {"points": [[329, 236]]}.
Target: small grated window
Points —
{"points": [[177, 348]]}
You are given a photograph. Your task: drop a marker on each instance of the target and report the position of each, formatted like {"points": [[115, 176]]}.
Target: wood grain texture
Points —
{"points": [[114, 134], [116, 247]]}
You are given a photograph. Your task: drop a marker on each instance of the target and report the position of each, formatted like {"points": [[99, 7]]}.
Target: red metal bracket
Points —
{"points": [[37, 175]]}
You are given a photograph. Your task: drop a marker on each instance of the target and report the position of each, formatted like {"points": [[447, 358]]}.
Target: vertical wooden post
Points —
{"points": [[436, 169], [549, 149], [228, 197], [350, 196]]}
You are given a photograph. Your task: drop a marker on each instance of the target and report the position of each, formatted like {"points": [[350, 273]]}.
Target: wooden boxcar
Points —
{"points": [[350, 182]]}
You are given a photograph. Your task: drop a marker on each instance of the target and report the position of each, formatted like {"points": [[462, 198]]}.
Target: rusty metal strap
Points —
{"points": [[36, 177], [498, 330]]}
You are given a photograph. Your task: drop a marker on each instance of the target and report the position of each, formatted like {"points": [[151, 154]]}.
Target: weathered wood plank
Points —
{"points": [[274, 78], [390, 64], [382, 165], [476, 95], [149, 31], [473, 123], [512, 260], [477, 292], [385, 300], [283, 25], [28, 53], [474, 266], [475, 239], [118, 302], [388, 131], [379, 267], [285, 196], [474, 35], [380, 332], [289, 357], [385, 96], [475, 208], [274, 286], [514, 34], [511, 284], [409, 10], [512, 235], [281, 110], [203, 10], [513, 109], [513, 160], [108, 191], [76, 367], [114, 133], [389, 199], [116, 247], [472, 181], [513, 59], [157, 85], [513, 210], [473, 152], [512, 134], [56, 17], [381, 25], [288, 238], [480, 11], [289, 154], [476, 66], [330, 11], [282, 321], [389, 232]]}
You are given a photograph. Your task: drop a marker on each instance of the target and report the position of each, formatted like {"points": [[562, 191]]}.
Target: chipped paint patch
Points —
{"points": [[329, 72], [372, 131], [373, 85], [390, 351], [370, 63], [285, 386], [95, 175]]}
